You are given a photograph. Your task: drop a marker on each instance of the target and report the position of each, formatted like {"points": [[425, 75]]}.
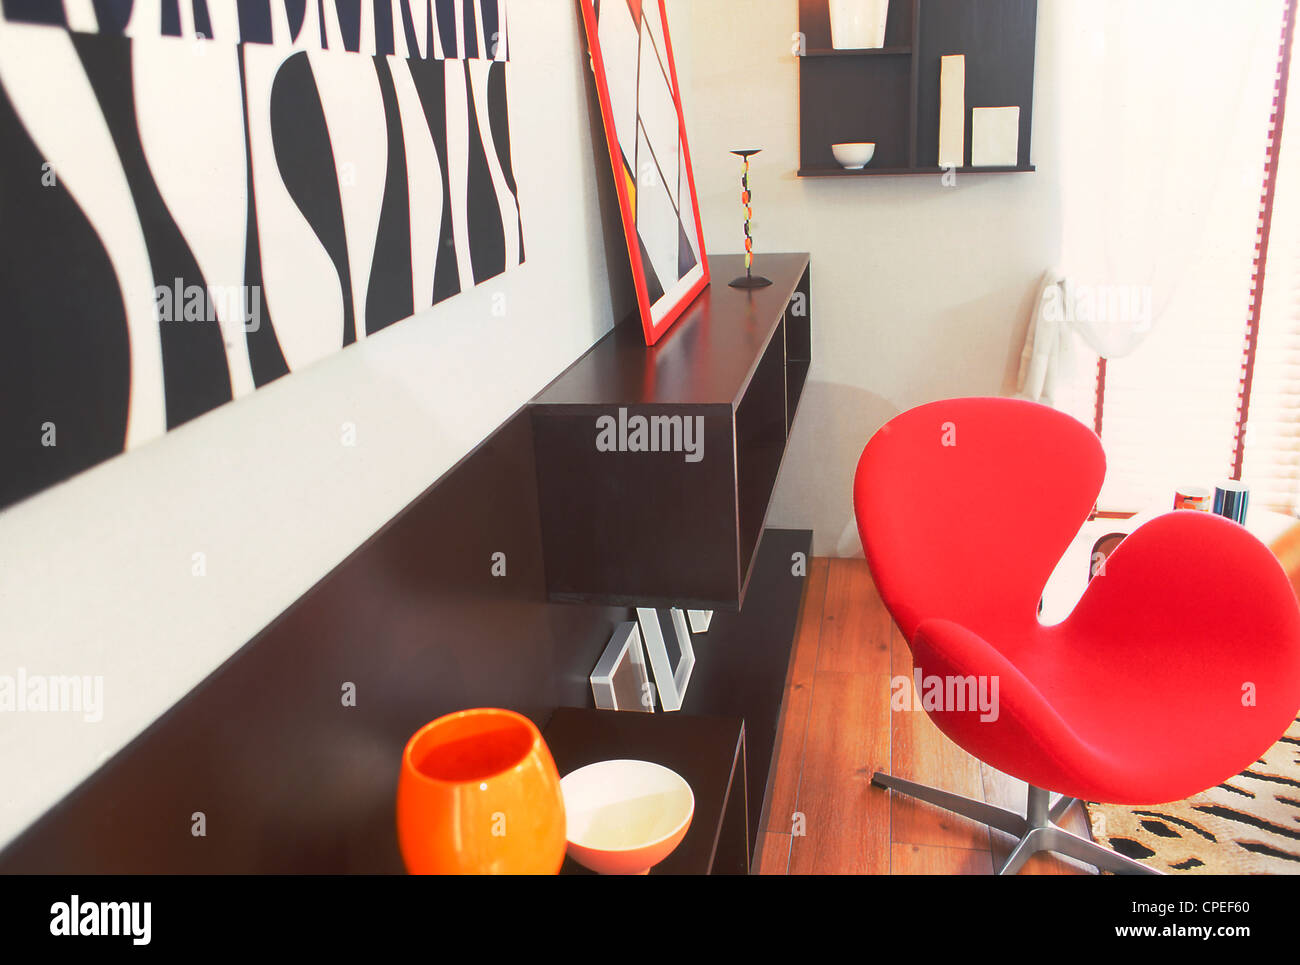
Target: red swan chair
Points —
{"points": [[1178, 667]]}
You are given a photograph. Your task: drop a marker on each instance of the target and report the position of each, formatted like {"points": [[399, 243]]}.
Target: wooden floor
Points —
{"points": [[824, 816]]}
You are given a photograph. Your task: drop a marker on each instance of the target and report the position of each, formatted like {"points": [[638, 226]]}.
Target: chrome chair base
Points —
{"points": [[1036, 829]]}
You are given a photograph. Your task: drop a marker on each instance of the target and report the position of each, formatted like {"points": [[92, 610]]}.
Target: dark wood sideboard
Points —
{"points": [[654, 528], [651, 528], [292, 780]]}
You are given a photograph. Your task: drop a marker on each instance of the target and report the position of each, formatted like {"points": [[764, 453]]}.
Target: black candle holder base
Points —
{"points": [[750, 281]]}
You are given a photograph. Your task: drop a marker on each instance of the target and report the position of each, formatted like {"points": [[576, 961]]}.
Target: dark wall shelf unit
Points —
{"points": [[890, 95], [657, 528]]}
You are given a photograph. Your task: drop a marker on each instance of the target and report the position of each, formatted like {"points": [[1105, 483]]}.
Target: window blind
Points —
{"points": [[1271, 450]]}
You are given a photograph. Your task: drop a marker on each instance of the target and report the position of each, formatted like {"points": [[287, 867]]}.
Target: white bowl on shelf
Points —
{"points": [[854, 155], [624, 817]]}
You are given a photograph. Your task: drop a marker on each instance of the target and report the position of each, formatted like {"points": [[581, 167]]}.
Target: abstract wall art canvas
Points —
{"points": [[632, 58], [200, 196]]}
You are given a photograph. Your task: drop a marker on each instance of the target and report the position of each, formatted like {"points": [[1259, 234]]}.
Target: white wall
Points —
{"points": [[96, 573], [919, 291]]}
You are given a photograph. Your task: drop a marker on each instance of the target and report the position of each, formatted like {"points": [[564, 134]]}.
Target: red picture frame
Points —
{"points": [[660, 301]]}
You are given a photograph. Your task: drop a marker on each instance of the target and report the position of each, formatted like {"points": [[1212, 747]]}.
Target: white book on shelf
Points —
{"points": [[952, 110]]}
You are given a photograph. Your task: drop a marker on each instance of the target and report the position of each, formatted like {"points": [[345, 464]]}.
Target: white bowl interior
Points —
{"points": [[625, 805], [854, 152]]}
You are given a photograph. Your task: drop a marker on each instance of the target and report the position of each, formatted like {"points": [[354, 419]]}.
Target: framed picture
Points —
{"points": [[640, 103], [620, 680], [671, 658]]}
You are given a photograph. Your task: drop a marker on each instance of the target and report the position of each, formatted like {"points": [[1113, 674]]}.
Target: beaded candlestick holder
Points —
{"points": [[748, 279]]}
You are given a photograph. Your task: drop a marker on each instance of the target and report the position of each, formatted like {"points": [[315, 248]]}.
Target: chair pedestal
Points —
{"points": [[1036, 829]]}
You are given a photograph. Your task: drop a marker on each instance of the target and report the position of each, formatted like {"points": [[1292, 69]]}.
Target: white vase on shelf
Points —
{"points": [[857, 24]]}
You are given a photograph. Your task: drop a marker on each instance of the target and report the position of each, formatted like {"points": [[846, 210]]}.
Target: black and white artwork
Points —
{"points": [[200, 196]]}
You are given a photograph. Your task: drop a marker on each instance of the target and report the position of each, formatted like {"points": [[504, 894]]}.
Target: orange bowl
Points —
{"points": [[479, 794], [624, 817]]}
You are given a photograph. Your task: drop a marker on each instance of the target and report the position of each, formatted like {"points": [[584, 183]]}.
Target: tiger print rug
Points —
{"points": [[1247, 825]]}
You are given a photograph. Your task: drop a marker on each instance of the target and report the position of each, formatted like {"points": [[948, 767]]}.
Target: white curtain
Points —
{"points": [[1163, 121], [1162, 113]]}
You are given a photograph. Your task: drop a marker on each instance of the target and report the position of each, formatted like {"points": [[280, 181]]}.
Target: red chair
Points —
{"points": [[1178, 667]]}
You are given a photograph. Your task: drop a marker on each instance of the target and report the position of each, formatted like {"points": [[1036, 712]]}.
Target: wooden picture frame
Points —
{"points": [[646, 135]]}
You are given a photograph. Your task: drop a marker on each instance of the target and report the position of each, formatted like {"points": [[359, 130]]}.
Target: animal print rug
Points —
{"points": [[1247, 825]]}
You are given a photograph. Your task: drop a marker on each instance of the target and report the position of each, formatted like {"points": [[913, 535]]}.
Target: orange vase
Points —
{"points": [[479, 794]]}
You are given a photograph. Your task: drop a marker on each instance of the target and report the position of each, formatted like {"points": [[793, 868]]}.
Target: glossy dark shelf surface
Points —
{"points": [[706, 358], [708, 752], [901, 50], [869, 171]]}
